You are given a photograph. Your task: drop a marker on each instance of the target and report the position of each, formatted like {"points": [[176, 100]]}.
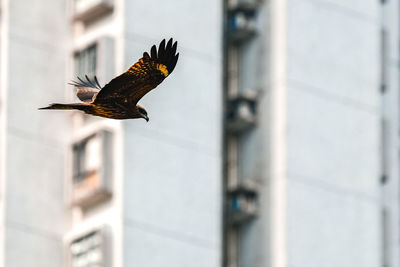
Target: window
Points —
{"points": [[87, 159], [86, 61], [92, 169], [97, 58], [89, 250]]}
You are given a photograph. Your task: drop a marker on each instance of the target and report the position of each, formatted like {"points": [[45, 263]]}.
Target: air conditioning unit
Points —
{"points": [[92, 158], [242, 20], [241, 27], [243, 204], [242, 111], [90, 10], [92, 248]]}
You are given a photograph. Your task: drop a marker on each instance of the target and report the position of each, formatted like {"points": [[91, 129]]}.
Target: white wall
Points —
{"points": [[172, 164], [35, 211], [334, 115]]}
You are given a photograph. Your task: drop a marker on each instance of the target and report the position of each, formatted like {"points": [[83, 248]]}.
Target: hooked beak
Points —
{"points": [[147, 119]]}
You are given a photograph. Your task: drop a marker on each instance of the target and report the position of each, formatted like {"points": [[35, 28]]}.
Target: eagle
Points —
{"points": [[118, 99]]}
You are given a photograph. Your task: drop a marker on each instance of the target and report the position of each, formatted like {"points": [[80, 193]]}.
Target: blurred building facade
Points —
{"points": [[311, 136], [82, 191], [274, 142]]}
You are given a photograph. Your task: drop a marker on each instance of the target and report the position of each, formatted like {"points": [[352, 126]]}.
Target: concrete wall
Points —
{"points": [[334, 111], [172, 164], [35, 212]]}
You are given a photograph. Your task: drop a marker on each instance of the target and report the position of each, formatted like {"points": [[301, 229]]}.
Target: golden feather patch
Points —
{"points": [[163, 69]]}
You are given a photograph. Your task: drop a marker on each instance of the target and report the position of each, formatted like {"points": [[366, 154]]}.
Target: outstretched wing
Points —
{"points": [[86, 90], [143, 76]]}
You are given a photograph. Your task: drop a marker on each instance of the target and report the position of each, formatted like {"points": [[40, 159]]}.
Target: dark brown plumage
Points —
{"points": [[118, 99]]}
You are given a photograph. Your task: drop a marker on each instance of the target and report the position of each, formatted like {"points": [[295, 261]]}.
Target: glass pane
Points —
{"points": [[93, 154], [79, 63], [85, 252], [79, 162], [92, 61], [86, 62]]}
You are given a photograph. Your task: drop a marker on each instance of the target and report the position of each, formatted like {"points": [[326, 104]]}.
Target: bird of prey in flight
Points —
{"points": [[118, 99]]}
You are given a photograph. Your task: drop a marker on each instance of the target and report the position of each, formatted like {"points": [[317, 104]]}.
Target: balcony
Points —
{"points": [[90, 10]]}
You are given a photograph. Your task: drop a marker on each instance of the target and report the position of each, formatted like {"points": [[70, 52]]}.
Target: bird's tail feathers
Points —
{"points": [[79, 106]]}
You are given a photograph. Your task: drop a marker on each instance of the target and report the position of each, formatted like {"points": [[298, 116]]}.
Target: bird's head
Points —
{"points": [[143, 112]]}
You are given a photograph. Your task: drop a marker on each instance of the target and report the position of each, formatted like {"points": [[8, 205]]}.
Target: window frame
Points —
{"points": [[92, 187]]}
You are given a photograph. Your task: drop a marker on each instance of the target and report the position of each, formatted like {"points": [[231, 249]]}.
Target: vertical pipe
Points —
{"points": [[232, 247], [277, 142], [232, 171], [233, 71], [231, 148]]}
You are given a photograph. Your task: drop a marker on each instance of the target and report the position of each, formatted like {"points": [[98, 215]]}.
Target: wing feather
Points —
{"points": [[86, 90], [161, 49], [143, 76], [153, 51], [86, 94]]}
